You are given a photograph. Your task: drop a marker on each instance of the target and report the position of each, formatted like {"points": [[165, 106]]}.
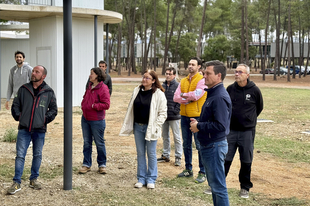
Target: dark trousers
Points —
{"points": [[244, 174], [244, 141]]}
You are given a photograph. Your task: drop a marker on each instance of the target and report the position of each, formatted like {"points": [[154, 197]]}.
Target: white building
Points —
{"points": [[45, 43]]}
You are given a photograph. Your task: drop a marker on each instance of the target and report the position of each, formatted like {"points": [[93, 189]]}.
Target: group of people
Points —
{"points": [[220, 120], [34, 106]]}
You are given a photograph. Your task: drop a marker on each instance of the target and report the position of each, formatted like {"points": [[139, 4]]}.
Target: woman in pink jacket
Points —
{"points": [[95, 101]]}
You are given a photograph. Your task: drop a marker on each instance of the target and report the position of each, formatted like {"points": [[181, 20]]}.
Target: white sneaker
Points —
{"points": [[244, 193], [208, 191], [30, 144], [150, 186], [138, 185]]}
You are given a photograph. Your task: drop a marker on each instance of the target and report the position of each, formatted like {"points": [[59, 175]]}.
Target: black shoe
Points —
{"points": [[163, 159], [186, 173]]}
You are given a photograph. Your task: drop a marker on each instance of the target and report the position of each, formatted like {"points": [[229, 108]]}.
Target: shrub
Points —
{"points": [[10, 135]]}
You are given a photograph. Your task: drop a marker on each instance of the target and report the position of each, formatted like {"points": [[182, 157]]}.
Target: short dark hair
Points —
{"points": [[44, 69], [197, 59], [102, 62], [218, 67], [100, 74], [20, 52], [171, 69]]}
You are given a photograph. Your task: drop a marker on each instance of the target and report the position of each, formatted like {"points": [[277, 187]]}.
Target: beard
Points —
{"points": [[34, 79], [19, 62]]}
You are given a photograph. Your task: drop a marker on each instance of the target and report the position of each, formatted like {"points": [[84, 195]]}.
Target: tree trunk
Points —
{"points": [[119, 45], [201, 28], [261, 54], [155, 58], [132, 48], [266, 34], [278, 38], [288, 41], [242, 33], [293, 54], [166, 37], [178, 41], [246, 34], [145, 39], [119, 49], [308, 54], [171, 33]]}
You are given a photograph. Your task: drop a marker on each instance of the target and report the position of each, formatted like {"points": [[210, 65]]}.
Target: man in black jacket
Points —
{"points": [[173, 120], [34, 107], [247, 104], [107, 80]]}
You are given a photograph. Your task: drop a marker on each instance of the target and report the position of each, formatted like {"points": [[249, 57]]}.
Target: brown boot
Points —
{"points": [[84, 170], [102, 170]]}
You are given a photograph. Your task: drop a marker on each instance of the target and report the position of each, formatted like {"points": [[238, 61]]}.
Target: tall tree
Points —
{"points": [[242, 31], [201, 29], [288, 40]]}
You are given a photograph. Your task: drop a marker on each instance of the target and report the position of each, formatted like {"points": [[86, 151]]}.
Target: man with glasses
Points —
{"points": [[191, 95], [247, 104], [173, 120]]}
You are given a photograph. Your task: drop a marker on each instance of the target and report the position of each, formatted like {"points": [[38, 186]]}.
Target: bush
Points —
{"points": [[10, 135]]}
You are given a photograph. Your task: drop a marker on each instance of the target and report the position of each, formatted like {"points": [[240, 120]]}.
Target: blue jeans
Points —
{"points": [[145, 173], [23, 140], [93, 129], [187, 144], [175, 127], [213, 156]]}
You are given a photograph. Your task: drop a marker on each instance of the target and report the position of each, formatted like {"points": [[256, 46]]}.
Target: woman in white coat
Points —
{"points": [[147, 111]]}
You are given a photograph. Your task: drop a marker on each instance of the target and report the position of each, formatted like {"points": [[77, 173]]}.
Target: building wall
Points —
{"points": [[296, 50], [89, 4]]}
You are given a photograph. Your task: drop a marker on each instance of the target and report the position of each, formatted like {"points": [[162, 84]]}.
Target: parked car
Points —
{"points": [[296, 69], [303, 69], [283, 71], [268, 71]]}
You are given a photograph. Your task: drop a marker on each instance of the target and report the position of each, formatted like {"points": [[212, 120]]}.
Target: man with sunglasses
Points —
{"points": [[173, 120], [247, 104]]}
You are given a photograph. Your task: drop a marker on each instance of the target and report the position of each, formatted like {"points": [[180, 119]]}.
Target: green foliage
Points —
{"points": [[10, 135], [186, 48], [217, 48]]}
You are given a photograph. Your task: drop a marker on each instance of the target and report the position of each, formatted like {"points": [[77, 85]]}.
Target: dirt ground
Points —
{"points": [[271, 176]]}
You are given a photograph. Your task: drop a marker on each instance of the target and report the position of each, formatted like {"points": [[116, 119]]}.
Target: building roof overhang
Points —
{"points": [[25, 13]]}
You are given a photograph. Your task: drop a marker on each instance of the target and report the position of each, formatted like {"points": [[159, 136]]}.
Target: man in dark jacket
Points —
{"points": [[212, 128], [34, 107], [247, 104], [173, 120], [107, 81]]}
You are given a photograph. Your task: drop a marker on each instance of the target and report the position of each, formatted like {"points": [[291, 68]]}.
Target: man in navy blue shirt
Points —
{"points": [[212, 128]]}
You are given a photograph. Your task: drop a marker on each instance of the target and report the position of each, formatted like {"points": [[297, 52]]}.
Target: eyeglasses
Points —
{"points": [[168, 74], [239, 72], [147, 78]]}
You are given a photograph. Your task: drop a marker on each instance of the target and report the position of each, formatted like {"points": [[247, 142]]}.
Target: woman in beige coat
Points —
{"points": [[147, 111]]}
